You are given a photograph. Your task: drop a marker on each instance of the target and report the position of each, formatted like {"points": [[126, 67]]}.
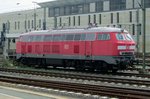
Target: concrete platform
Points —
{"points": [[14, 93]]}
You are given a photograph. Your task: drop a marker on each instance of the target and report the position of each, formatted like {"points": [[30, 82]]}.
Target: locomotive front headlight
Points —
{"points": [[121, 47], [132, 47]]}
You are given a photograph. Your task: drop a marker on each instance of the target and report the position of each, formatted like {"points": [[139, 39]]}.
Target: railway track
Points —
{"points": [[94, 77], [78, 87]]}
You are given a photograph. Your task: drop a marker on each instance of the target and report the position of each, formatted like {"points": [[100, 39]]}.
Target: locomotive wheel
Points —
{"points": [[41, 63], [79, 68], [82, 68], [25, 61], [114, 70], [91, 69], [104, 67]]}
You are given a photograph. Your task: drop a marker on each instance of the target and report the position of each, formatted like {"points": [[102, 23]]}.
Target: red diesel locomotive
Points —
{"points": [[97, 48]]}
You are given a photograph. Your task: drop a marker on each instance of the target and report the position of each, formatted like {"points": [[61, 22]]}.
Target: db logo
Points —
{"points": [[66, 46]]}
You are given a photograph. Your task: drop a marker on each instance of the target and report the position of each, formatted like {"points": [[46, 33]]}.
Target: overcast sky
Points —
{"points": [[16, 5]]}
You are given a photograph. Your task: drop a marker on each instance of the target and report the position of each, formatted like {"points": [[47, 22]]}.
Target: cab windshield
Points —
{"points": [[128, 37], [120, 36], [124, 36]]}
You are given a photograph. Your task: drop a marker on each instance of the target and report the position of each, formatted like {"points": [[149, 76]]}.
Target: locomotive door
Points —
{"points": [[88, 49]]}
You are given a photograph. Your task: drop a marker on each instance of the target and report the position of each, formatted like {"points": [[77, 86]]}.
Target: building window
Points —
{"points": [[111, 18], [18, 25], [60, 22], [93, 7], [15, 25], [55, 22], [118, 17], [86, 8], [56, 11], [89, 18], [69, 21], [94, 19], [79, 20], [80, 8], [25, 24], [28, 24], [73, 9], [133, 28], [76, 9], [32, 24], [64, 10], [74, 21], [130, 18], [147, 3], [8, 27], [117, 4], [139, 29], [50, 12], [67, 10], [39, 23], [100, 17], [99, 6]]}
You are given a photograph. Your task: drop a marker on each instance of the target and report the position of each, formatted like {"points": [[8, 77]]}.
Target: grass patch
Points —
{"points": [[10, 63]]}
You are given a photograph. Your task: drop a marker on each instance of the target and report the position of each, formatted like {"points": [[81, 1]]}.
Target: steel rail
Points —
{"points": [[83, 76], [84, 88]]}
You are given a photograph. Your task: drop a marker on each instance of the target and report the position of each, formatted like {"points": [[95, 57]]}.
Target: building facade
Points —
{"points": [[126, 14]]}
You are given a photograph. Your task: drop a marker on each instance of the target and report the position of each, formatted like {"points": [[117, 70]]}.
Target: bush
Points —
{"points": [[6, 63]]}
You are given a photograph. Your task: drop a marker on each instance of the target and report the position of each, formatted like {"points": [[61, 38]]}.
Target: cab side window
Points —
{"points": [[90, 37], [48, 38], [69, 37], [103, 37], [77, 37], [30, 39], [37, 38]]}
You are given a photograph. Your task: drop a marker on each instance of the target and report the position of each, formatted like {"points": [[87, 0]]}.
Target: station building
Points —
{"points": [[126, 14]]}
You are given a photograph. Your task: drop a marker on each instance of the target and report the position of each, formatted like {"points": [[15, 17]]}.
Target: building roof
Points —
{"points": [[59, 3]]}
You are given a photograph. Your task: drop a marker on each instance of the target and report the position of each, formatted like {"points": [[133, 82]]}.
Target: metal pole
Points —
{"points": [[144, 28], [44, 21], [138, 32], [34, 18], [34, 14]]}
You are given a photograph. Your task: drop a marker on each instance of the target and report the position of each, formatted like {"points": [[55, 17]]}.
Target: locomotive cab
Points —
{"points": [[125, 49]]}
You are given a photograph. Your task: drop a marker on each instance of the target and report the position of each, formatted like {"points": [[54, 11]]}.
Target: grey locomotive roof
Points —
{"points": [[86, 30]]}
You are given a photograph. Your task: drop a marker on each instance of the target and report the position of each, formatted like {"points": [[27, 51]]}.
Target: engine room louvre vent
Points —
{"points": [[47, 48], [76, 49], [37, 48], [29, 49], [55, 49], [23, 48]]}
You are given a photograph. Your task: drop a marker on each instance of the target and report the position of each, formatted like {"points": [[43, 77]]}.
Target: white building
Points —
{"points": [[126, 14]]}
